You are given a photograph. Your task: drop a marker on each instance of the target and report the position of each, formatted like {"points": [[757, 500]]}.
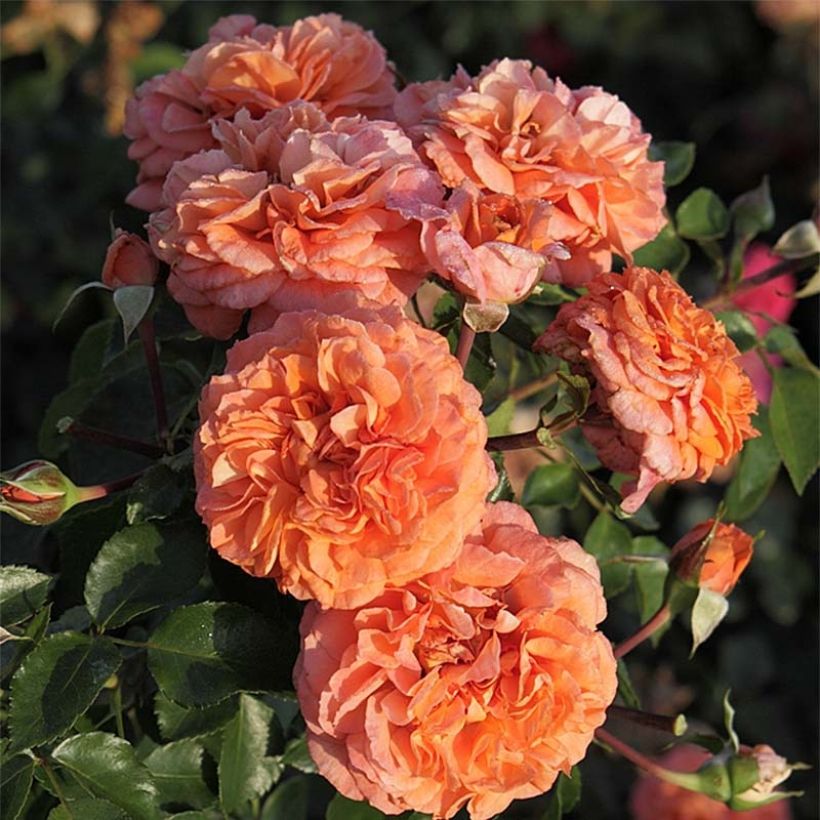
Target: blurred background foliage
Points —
{"points": [[737, 78]]}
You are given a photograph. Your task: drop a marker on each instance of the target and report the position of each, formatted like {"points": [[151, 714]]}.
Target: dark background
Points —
{"points": [[726, 75]]}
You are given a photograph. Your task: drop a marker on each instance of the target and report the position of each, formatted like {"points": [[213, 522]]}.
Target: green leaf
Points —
{"points": [[108, 767], [607, 539], [650, 578], [89, 808], [158, 493], [288, 801], [702, 215], [297, 755], [503, 490], [565, 795], [74, 295], [665, 252], [342, 808], [15, 784], [132, 303], [23, 591], [12, 657], [177, 722], [756, 471], [740, 328], [799, 241], [793, 414], [88, 356], [201, 654], [677, 158], [56, 684], [753, 211], [625, 688], [708, 611], [177, 773], [545, 293], [729, 721], [782, 341], [810, 288], [245, 772], [141, 568], [552, 484], [498, 422]]}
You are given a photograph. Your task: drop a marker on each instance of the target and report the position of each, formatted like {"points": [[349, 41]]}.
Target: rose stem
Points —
{"points": [[466, 337], [515, 441], [780, 269], [146, 332], [533, 387], [674, 725], [651, 626], [80, 430], [102, 490], [633, 755]]}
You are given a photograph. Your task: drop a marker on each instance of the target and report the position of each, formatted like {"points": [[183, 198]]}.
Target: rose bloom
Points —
{"points": [[514, 131], [339, 452], [714, 563], [325, 59], [773, 301], [669, 398], [475, 685], [129, 261], [652, 799], [284, 224]]}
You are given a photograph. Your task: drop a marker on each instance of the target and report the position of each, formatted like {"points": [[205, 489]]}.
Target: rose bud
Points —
{"points": [[755, 772], [712, 556], [129, 261], [37, 493]]}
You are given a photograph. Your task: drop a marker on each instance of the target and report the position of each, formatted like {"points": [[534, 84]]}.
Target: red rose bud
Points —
{"points": [[712, 556], [129, 261], [38, 493]]}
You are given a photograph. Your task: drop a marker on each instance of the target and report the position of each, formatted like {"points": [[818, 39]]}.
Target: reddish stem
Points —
{"points": [[149, 344], [632, 755], [466, 337], [144, 448], [514, 441], [648, 629], [102, 490], [673, 725]]}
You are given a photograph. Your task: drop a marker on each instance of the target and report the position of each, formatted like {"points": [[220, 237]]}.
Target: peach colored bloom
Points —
{"points": [[669, 400], [492, 247], [325, 59], [512, 130], [473, 686], [714, 562], [322, 214], [129, 261], [773, 301], [341, 452], [652, 799]]}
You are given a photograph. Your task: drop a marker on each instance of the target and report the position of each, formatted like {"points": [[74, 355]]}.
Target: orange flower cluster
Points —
{"points": [[670, 400], [451, 655]]}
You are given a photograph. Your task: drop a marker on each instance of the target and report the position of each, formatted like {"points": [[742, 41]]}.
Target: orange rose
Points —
{"points": [[669, 400], [473, 686], [324, 59], [652, 799], [129, 261], [341, 452], [712, 556], [323, 214], [514, 131]]}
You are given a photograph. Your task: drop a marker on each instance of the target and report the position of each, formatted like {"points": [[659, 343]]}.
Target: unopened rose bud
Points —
{"points": [[38, 493], [712, 556], [129, 261], [756, 772]]}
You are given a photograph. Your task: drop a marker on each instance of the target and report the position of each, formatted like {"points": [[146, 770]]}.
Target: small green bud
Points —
{"points": [[37, 493]]}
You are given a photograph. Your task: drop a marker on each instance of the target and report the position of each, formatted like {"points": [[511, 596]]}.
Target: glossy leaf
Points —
{"points": [[608, 539], [343, 808], [802, 239], [625, 687], [702, 215], [795, 422], [498, 422], [677, 158], [756, 471], [552, 484], [23, 591], [89, 808], [141, 568], [665, 252], [289, 800], [650, 578], [108, 767], [708, 611], [297, 755], [177, 772], [245, 771], [753, 212], [565, 795], [157, 495], [16, 775], [56, 683], [782, 340], [740, 328], [201, 654], [177, 722]]}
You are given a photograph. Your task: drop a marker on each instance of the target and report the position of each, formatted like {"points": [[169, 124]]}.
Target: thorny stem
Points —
{"points": [[649, 628], [79, 430], [751, 282], [466, 337], [149, 344], [674, 725]]}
